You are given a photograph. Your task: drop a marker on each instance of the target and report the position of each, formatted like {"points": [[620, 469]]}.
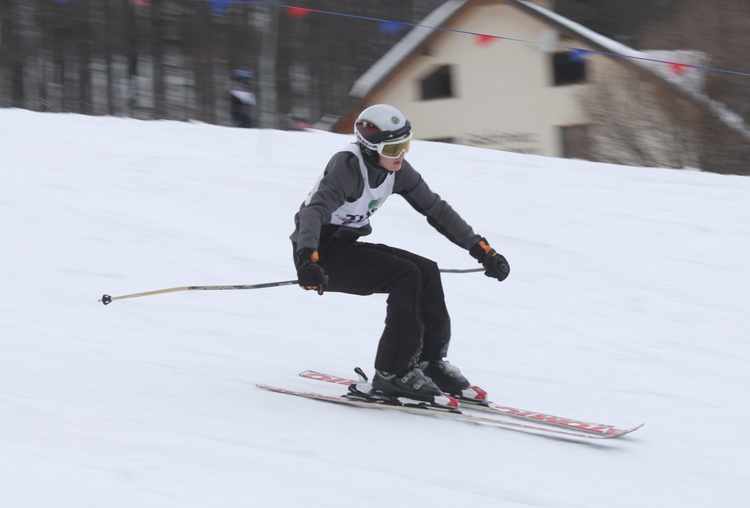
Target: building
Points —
{"points": [[513, 75]]}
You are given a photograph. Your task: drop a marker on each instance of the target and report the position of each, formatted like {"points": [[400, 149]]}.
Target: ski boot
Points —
{"points": [[450, 380]]}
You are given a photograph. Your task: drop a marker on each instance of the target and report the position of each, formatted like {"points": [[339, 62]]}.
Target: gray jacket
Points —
{"points": [[342, 181]]}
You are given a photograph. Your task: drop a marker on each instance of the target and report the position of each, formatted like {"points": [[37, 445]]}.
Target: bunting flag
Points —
{"points": [[297, 12], [484, 40], [391, 27], [678, 68], [578, 55], [219, 7]]}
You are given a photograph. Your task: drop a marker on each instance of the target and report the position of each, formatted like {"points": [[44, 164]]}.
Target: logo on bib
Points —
{"points": [[374, 203]]}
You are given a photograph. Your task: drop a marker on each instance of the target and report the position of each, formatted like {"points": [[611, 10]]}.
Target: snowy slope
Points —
{"points": [[627, 303]]}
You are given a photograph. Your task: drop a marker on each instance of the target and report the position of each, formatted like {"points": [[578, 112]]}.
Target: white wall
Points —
{"points": [[503, 93]]}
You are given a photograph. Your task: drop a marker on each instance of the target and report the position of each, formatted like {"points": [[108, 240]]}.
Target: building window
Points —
{"points": [[575, 142], [568, 68], [437, 85]]}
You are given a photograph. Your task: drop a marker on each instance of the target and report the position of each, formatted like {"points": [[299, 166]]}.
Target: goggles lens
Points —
{"points": [[394, 149]]}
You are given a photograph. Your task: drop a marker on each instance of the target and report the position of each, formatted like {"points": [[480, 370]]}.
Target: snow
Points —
{"points": [[627, 303]]}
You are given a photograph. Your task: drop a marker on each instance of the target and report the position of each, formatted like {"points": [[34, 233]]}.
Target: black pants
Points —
{"points": [[417, 325]]}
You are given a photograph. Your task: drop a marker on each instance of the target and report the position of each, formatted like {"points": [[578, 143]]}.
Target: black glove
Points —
{"points": [[310, 275], [495, 265]]}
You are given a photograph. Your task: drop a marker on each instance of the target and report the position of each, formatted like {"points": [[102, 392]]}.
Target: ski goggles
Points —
{"points": [[394, 149]]}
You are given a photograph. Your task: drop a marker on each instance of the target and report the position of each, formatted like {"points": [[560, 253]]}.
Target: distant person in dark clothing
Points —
{"points": [[241, 99]]}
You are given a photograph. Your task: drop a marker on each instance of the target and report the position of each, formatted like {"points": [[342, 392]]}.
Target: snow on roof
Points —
{"points": [[691, 81], [586, 33]]}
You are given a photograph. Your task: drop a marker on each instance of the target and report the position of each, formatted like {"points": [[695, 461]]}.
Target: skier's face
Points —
{"points": [[392, 163]]}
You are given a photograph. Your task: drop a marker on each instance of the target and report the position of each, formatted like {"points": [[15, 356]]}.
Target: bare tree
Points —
{"points": [[641, 122], [719, 29], [172, 59]]}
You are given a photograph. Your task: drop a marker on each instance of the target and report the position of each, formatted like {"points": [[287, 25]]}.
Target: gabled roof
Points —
{"points": [[441, 17], [405, 47]]}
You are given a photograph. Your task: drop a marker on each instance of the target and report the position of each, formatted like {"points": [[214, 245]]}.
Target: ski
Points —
{"points": [[442, 413], [595, 429]]}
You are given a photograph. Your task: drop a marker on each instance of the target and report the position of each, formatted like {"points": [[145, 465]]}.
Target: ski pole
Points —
{"points": [[107, 299]]}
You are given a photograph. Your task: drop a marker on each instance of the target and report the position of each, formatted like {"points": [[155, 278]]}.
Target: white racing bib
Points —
{"points": [[357, 214]]}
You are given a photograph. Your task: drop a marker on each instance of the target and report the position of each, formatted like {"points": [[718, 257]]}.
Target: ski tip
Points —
{"points": [[632, 429], [615, 433]]}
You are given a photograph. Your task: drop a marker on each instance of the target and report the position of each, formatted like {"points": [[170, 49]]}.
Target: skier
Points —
{"points": [[329, 255]]}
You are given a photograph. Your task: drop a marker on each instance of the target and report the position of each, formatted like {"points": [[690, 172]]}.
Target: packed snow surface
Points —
{"points": [[627, 303]]}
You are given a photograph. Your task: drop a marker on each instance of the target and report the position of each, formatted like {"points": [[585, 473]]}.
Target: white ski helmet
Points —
{"points": [[379, 123]]}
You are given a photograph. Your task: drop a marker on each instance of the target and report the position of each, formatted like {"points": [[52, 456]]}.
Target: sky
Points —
{"points": [[626, 304]]}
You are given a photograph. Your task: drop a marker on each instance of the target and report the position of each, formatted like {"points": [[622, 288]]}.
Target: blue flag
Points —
{"points": [[220, 7], [391, 27]]}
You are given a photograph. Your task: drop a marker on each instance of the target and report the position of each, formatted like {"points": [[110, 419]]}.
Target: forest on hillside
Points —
{"points": [[175, 59]]}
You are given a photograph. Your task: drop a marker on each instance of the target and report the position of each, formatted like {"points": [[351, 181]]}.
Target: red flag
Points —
{"points": [[678, 68], [297, 12], [484, 40]]}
